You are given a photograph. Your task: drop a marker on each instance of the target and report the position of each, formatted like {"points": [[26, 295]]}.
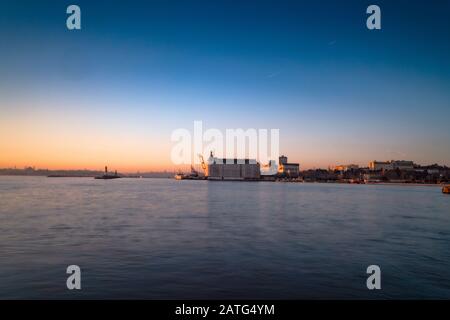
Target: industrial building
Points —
{"points": [[286, 169], [232, 169]]}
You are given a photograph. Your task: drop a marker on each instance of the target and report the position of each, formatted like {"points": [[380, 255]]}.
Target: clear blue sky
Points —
{"points": [[136, 71]]}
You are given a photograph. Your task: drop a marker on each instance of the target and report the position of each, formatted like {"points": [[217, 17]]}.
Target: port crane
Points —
{"points": [[202, 161]]}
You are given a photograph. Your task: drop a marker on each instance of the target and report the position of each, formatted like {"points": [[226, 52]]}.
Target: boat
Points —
{"points": [[108, 176], [180, 176], [446, 189], [192, 176]]}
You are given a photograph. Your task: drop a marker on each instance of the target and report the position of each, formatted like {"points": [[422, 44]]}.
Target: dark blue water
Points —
{"points": [[161, 238]]}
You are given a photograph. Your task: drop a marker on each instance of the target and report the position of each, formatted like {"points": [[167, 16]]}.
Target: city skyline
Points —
{"points": [[112, 92], [177, 168]]}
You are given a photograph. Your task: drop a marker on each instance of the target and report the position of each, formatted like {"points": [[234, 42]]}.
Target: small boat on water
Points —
{"points": [[192, 176], [108, 176], [180, 176], [446, 189]]}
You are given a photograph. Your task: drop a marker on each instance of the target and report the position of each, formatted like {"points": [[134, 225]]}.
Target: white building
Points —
{"points": [[391, 165], [232, 169]]}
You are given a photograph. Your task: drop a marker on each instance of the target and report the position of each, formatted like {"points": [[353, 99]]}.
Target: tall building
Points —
{"points": [[282, 160]]}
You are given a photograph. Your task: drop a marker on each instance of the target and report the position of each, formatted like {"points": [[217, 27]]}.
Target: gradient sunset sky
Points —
{"points": [[113, 92]]}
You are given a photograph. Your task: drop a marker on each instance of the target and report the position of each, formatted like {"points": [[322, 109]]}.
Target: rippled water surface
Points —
{"points": [[161, 238]]}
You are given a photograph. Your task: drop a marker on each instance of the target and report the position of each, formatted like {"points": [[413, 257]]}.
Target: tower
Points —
{"points": [[282, 160]]}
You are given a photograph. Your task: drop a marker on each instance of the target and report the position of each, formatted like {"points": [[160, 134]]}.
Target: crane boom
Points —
{"points": [[202, 161]]}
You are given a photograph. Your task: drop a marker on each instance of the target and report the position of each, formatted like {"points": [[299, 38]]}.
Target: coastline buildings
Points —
{"points": [[269, 171], [232, 169], [249, 169], [345, 167], [286, 169], [394, 171], [391, 165], [246, 169], [380, 165]]}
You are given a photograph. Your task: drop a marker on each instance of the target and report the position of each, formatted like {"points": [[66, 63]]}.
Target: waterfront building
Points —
{"points": [[431, 169], [372, 178], [345, 167], [282, 160], [403, 164], [232, 169], [391, 165], [269, 169], [287, 169], [380, 165]]}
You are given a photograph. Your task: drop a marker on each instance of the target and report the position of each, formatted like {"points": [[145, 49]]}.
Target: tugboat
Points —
{"points": [[192, 176], [107, 176], [446, 189]]}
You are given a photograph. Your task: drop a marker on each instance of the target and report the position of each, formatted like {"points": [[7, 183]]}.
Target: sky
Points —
{"points": [[114, 91]]}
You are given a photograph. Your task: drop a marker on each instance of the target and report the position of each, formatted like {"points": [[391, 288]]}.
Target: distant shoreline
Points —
{"points": [[379, 183], [156, 176], [408, 184]]}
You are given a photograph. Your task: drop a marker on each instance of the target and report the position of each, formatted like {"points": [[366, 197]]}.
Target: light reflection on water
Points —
{"points": [[161, 238]]}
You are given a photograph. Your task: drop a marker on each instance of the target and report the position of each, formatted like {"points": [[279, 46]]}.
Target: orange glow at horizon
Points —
{"points": [[68, 142], [72, 138]]}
